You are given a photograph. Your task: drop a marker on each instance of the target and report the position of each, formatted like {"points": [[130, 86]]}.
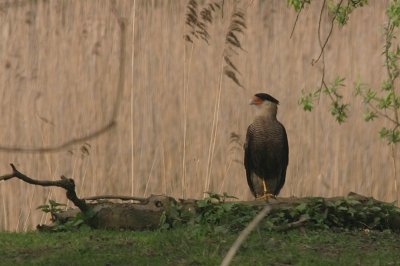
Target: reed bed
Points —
{"points": [[60, 69]]}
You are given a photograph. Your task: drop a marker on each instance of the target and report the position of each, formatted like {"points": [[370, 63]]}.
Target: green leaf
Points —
{"points": [[56, 204], [386, 101], [353, 202], [163, 219], [339, 82], [329, 204], [297, 4], [358, 85], [229, 197], [334, 218], [307, 100], [396, 210], [339, 111], [369, 115], [387, 85], [392, 136], [204, 202], [370, 95], [375, 209], [352, 211], [77, 222], [301, 207], [338, 203]]}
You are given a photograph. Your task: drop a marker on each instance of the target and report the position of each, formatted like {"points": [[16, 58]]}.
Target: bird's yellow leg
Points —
{"points": [[266, 194]]}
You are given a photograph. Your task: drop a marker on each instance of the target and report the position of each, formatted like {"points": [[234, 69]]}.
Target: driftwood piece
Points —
{"points": [[145, 213]]}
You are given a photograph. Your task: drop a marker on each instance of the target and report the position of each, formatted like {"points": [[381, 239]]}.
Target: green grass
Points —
{"points": [[182, 247]]}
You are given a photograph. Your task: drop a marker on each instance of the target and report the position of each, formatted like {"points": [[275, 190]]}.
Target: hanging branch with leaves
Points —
{"points": [[386, 104], [340, 13]]}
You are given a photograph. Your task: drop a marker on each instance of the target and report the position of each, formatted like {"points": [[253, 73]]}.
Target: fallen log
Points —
{"points": [[146, 213]]}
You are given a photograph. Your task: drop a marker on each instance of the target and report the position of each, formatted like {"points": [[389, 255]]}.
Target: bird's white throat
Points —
{"points": [[267, 108]]}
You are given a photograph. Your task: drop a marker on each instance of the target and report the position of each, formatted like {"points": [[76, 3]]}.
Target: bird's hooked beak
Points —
{"points": [[251, 102]]}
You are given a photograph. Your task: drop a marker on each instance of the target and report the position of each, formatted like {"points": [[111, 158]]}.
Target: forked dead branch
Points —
{"points": [[66, 183]]}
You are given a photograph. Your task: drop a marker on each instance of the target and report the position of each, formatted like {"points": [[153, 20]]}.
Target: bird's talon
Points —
{"points": [[265, 196]]}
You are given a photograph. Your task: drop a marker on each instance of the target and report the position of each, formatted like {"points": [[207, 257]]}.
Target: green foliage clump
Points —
{"points": [[346, 214], [342, 12], [297, 4], [220, 217], [338, 110], [53, 208], [217, 218]]}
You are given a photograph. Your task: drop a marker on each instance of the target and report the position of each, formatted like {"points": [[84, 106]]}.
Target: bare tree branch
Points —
{"points": [[319, 32], [67, 183], [63, 145], [297, 18]]}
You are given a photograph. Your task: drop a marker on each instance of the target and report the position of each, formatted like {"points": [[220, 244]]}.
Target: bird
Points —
{"points": [[266, 149]]}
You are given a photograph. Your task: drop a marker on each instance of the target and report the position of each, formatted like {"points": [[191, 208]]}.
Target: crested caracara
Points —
{"points": [[266, 150]]}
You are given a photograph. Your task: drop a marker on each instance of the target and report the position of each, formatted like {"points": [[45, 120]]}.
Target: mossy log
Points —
{"points": [[146, 213], [135, 216]]}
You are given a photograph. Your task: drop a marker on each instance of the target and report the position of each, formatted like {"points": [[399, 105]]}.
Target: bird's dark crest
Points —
{"points": [[267, 97]]}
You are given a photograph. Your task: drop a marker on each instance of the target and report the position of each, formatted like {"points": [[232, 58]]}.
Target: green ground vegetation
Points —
{"points": [[181, 247]]}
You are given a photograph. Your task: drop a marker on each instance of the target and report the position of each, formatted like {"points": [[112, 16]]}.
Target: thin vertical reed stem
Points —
{"points": [[225, 175], [5, 213], [19, 219], [214, 131], [51, 189], [132, 100], [151, 170], [164, 187], [83, 178], [29, 210], [49, 166], [185, 93], [393, 146]]}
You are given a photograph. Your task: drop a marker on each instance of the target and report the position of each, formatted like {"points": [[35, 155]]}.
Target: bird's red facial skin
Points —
{"points": [[257, 101]]}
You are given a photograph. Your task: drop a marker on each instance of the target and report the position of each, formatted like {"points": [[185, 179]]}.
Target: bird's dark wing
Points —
{"points": [[285, 159], [248, 162]]}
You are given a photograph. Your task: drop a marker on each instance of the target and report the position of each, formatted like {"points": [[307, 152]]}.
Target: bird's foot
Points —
{"points": [[265, 196]]}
